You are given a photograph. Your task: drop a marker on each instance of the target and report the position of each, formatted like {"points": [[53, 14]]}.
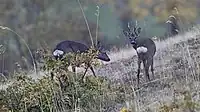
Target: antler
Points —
{"points": [[135, 29], [129, 28]]}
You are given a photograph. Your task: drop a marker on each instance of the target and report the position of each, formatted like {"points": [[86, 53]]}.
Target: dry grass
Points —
{"points": [[176, 68]]}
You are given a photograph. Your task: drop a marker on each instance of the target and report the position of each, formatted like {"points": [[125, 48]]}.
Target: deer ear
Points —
{"points": [[139, 30], [125, 33], [99, 46]]}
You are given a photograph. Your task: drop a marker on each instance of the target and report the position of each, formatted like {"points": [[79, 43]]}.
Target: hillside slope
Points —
{"points": [[177, 68]]}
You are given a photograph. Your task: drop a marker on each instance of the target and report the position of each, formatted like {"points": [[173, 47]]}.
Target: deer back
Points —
{"points": [[71, 46], [74, 47]]}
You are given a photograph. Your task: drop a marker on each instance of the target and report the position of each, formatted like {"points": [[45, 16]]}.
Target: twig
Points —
{"points": [[8, 29], [86, 22], [97, 14]]}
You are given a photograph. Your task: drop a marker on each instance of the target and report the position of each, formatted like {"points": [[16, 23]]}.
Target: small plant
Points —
{"points": [[124, 110]]}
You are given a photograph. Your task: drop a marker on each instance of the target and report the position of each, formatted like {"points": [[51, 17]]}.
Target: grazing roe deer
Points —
{"points": [[68, 46], [145, 49], [172, 26]]}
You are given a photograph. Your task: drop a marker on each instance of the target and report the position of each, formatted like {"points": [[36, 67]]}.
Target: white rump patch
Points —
{"points": [[141, 49], [58, 53], [176, 30], [168, 21], [172, 17]]}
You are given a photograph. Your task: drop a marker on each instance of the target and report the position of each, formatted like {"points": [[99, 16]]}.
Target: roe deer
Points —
{"points": [[68, 46], [145, 48], [172, 26]]}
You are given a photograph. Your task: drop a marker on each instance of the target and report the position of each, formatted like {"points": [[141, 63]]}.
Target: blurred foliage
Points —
{"points": [[185, 10]]}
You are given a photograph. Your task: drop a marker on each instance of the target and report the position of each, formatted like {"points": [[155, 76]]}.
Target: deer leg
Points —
{"points": [[146, 67], [85, 72], [138, 71], [73, 69], [152, 70], [52, 75], [91, 68]]}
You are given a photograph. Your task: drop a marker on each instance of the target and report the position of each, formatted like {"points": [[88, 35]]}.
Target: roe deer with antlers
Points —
{"points": [[145, 49]]}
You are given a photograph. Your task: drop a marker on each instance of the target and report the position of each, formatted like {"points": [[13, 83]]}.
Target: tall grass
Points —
{"points": [[170, 75], [8, 29], [88, 28]]}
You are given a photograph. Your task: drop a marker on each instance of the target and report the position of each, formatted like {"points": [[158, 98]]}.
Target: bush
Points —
{"points": [[64, 91], [26, 94]]}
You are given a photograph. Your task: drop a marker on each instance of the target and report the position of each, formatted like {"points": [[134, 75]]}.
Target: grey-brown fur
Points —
{"points": [[68, 46], [144, 56]]}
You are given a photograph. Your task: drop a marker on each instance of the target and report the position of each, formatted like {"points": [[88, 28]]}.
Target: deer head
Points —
{"points": [[132, 33], [102, 53]]}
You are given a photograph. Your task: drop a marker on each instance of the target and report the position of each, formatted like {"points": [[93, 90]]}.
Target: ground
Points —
{"points": [[176, 66]]}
